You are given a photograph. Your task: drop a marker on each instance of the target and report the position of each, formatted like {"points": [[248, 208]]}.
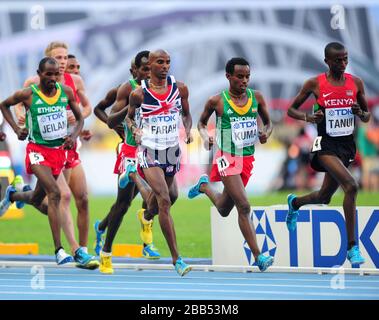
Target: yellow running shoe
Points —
{"points": [[146, 232], [105, 264]]}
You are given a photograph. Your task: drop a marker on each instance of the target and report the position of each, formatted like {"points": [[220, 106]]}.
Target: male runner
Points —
{"points": [[237, 110], [47, 128], [340, 97], [160, 102]]}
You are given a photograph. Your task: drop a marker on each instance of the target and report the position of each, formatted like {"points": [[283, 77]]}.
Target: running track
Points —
{"points": [[62, 283]]}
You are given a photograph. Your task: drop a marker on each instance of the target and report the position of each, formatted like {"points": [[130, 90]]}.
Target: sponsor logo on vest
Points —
{"points": [[349, 92], [51, 109], [39, 101], [339, 102], [340, 112]]}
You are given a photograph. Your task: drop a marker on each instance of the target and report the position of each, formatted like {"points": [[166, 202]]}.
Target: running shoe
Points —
{"points": [[146, 232], [264, 262], [106, 264], [151, 252], [99, 242], [354, 256], [84, 260], [124, 177], [195, 190], [292, 214], [5, 203], [181, 267], [20, 186], [62, 257]]}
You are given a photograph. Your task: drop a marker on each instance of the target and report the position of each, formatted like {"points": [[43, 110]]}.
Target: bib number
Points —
{"points": [[317, 144], [222, 164], [36, 158]]}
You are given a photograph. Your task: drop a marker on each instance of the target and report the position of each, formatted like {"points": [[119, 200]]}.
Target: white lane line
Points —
{"points": [[213, 291], [190, 276], [179, 283], [89, 294]]}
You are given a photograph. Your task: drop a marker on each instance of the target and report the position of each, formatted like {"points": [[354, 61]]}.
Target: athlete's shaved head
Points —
{"points": [[333, 46], [44, 61], [157, 53]]}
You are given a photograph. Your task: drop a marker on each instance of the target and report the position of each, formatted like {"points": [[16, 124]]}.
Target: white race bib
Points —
{"points": [[244, 132], [339, 121], [36, 158], [53, 125], [222, 164], [161, 131], [317, 144]]}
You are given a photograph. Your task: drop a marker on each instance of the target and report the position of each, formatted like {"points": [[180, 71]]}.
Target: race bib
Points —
{"points": [[222, 164], [161, 131], [339, 121], [244, 132], [317, 144], [53, 126], [36, 158]]}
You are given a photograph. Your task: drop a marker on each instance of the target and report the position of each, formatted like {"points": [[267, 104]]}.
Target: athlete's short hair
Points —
{"points": [[229, 68], [140, 55], [71, 56], [44, 61], [333, 46], [53, 45]]}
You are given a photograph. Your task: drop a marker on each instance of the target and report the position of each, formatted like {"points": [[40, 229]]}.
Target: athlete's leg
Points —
{"points": [[65, 213], [124, 199], [322, 196], [46, 185], [342, 175], [78, 186], [234, 187], [160, 186]]}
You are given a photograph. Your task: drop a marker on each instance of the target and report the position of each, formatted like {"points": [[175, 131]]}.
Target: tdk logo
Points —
{"points": [[164, 118], [340, 112], [245, 124]]}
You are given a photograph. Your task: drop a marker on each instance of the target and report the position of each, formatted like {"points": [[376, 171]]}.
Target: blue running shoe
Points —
{"points": [[124, 177], [181, 267], [292, 214], [354, 256], [195, 190], [5, 203], [264, 262], [62, 257], [20, 186], [84, 260], [99, 242], [151, 252]]}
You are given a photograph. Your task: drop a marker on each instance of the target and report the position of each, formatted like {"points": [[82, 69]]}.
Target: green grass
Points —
{"points": [[191, 218]]}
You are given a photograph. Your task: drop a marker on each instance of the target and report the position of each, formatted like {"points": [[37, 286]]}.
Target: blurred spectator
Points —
{"points": [[296, 172]]}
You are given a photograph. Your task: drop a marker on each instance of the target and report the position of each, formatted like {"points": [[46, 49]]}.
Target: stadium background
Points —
{"points": [[283, 40]]}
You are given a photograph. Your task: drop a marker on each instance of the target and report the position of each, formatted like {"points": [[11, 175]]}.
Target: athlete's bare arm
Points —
{"points": [[120, 110], [19, 108], [266, 131], [361, 107], [23, 97], [186, 115], [81, 92], [135, 101], [310, 86], [104, 104], [74, 107], [213, 104]]}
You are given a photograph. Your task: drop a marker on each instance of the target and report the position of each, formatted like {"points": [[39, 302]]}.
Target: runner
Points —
{"points": [[49, 139], [237, 110], [340, 97]]}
